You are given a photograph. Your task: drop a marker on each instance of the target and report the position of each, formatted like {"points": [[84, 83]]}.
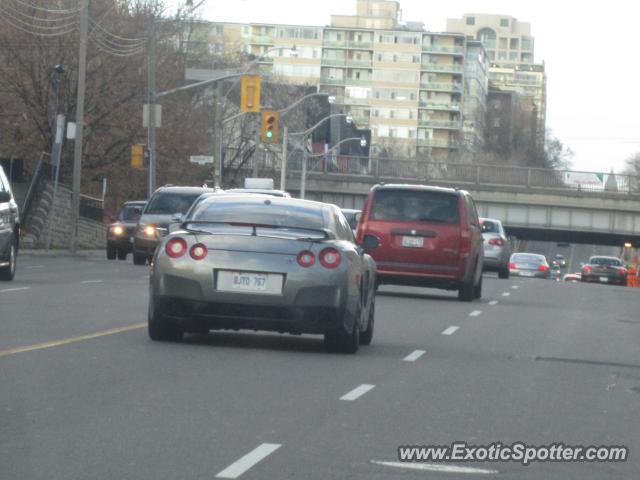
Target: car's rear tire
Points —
{"points": [[466, 291], [503, 273], [139, 259], [122, 254], [160, 329], [111, 252], [477, 289], [9, 272], [367, 336], [343, 342]]}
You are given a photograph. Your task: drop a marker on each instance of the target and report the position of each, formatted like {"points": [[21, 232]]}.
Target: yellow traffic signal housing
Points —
{"points": [[270, 126], [250, 94], [137, 156]]}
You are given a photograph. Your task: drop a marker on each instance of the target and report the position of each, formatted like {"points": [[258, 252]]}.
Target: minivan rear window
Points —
{"points": [[415, 206]]}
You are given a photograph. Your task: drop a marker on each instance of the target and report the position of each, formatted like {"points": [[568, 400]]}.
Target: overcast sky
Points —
{"points": [[590, 49]]}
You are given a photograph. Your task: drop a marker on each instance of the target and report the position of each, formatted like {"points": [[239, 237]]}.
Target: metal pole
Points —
{"points": [[303, 178], [77, 153], [255, 152], [217, 134], [151, 100], [56, 154], [283, 168]]}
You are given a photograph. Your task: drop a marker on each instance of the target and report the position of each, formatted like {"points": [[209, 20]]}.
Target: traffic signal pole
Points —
{"points": [[151, 100]]}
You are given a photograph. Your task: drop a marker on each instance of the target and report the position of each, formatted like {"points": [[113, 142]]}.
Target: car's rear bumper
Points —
{"points": [[199, 316], [603, 278], [121, 243], [529, 273]]}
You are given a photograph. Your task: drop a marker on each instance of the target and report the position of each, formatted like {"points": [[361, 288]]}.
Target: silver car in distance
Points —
{"points": [[275, 264]]}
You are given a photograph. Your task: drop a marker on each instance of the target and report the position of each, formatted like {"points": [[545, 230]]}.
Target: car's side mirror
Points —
{"points": [[369, 242], [177, 218], [5, 197]]}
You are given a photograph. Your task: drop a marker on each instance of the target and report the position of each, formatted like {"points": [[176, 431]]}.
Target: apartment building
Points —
{"points": [[421, 93], [510, 47]]}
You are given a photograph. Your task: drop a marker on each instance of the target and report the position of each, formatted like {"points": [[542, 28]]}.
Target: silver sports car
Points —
{"points": [[252, 262]]}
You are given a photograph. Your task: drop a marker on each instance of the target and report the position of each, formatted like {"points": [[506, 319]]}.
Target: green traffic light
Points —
{"points": [[269, 134]]}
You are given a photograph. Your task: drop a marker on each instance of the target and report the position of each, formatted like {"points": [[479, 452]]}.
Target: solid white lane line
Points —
{"points": [[451, 330], [493, 302], [413, 356], [436, 467], [17, 289], [87, 282], [475, 313], [506, 294], [515, 287], [357, 392], [258, 454]]}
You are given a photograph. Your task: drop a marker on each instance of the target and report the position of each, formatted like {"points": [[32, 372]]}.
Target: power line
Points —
{"points": [[21, 24], [40, 19], [96, 25], [48, 10]]}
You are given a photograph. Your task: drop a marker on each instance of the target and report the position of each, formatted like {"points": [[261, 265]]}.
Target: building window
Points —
{"points": [[395, 58], [496, 122], [393, 95], [471, 20], [514, 44], [379, 57], [504, 22]]}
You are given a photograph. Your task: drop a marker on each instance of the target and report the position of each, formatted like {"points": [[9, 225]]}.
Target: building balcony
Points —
{"points": [[344, 81], [433, 142], [441, 124], [455, 107], [449, 49], [334, 62], [441, 87], [442, 67], [261, 40], [359, 63], [355, 101]]}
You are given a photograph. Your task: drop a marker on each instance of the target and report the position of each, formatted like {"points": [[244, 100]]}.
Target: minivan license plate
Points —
{"points": [[412, 242]]}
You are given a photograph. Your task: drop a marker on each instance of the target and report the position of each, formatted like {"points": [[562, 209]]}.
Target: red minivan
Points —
{"points": [[424, 236]]}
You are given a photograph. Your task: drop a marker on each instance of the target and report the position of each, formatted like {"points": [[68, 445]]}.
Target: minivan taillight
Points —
{"points": [[306, 259], [330, 258], [176, 247], [465, 241]]}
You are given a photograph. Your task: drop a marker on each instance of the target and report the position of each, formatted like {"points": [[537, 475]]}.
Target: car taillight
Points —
{"points": [[465, 241], [330, 258], [587, 269], [622, 270], [512, 265], [543, 268], [198, 251], [496, 241], [306, 259], [176, 247]]}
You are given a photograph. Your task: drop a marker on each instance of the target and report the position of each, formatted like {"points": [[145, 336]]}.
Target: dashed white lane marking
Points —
{"points": [[451, 330], [256, 455], [515, 287], [357, 392], [493, 302], [87, 282], [475, 313], [436, 467], [506, 294], [31, 267], [17, 289], [413, 356]]}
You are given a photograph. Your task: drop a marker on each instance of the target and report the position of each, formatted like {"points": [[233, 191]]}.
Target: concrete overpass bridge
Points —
{"points": [[534, 204]]}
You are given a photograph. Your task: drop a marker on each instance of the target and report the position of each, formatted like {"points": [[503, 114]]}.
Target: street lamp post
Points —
{"points": [[305, 156], [304, 134]]}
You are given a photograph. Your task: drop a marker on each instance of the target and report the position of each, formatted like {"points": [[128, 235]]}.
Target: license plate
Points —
{"points": [[527, 274], [604, 279], [238, 281], [412, 242]]}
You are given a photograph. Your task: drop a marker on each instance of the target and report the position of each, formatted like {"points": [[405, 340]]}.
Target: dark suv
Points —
{"points": [[160, 211], [9, 230], [424, 236], [120, 234]]}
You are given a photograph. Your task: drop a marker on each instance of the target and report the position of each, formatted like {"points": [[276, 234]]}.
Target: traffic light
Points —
{"points": [[270, 126], [250, 95], [137, 156]]}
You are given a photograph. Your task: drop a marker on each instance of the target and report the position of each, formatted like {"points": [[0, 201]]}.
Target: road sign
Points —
{"points": [[201, 159], [157, 115]]}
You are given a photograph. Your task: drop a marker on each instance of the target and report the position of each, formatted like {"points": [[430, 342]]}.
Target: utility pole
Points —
{"points": [[77, 153], [217, 134], [283, 167], [151, 100]]}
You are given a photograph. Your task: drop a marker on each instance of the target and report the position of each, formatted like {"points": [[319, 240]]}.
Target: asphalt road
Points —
{"points": [[91, 397]]}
